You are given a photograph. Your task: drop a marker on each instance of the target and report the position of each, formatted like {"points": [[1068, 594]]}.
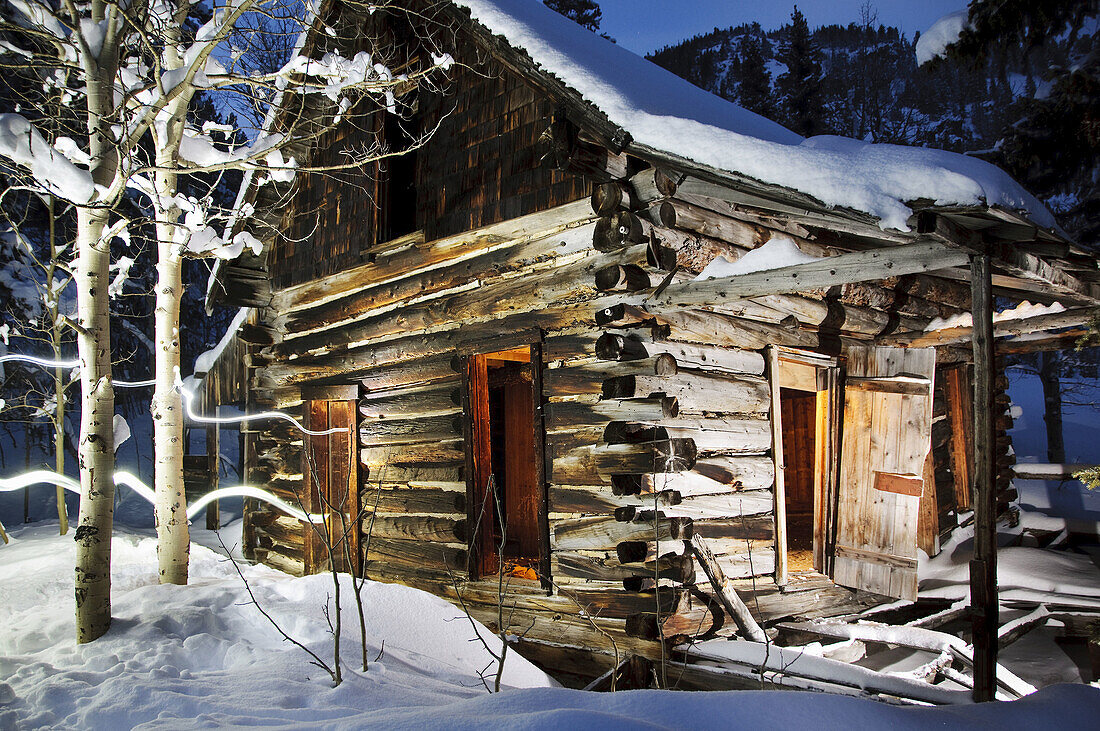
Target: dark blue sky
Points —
{"points": [[646, 25]]}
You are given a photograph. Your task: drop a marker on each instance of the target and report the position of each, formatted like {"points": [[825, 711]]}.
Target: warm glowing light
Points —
{"points": [[36, 477]]}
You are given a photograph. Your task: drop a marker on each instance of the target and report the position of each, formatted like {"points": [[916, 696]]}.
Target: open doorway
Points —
{"points": [[805, 413], [507, 499]]}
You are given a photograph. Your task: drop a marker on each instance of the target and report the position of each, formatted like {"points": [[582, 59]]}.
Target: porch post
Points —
{"points": [[983, 568]]}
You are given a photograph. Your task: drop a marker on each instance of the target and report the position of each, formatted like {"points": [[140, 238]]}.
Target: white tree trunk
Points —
{"points": [[96, 451], [56, 326], [173, 537]]}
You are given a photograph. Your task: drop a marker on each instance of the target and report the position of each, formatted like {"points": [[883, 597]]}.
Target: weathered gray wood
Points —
{"points": [[379, 432], [731, 602], [858, 266], [417, 401], [601, 499], [413, 499], [534, 226], [697, 392], [598, 566], [717, 473], [566, 415], [583, 464], [714, 328], [614, 346], [605, 533], [725, 435], [1006, 328], [983, 567], [590, 377], [417, 528], [652, 184], [727, 505]]}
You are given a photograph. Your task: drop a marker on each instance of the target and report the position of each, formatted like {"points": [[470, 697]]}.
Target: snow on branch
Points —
{"points": [[23, 144]]}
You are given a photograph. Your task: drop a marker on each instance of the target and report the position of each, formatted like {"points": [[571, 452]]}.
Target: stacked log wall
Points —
{"points": [[657, 425]]}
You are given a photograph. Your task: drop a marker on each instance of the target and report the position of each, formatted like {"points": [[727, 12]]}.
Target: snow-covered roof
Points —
{"points": [[663, 112]]}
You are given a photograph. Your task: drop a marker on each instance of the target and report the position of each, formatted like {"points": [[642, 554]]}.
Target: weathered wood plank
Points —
{"points": [[853, 267], [603, 533]]}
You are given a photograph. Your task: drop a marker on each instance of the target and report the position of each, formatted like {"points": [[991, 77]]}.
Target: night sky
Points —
{"points": [[646, 25]]}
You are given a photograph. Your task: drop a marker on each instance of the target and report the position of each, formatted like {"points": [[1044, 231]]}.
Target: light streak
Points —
{"points": [[189, 397], [47, 363], [186, 394], [10, 484]]}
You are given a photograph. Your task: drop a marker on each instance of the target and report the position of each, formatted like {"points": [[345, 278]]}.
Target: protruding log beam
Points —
{"points": [[605, 533], [589, 378], [609, 198], [578, 415], [621, 315], [697, 392], [858, 266], [727, 436], [652, 184], [622, 278], [579, 466], [615, 346], [685, 216], [599, 499], [617, 231]]}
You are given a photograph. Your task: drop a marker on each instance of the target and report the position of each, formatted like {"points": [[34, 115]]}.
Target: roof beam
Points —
{"points": [[859, 266], [1026, 267], [1006, 328]]}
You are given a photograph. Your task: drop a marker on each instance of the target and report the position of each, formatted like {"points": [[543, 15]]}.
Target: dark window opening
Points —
{"points": [[506, 486], [397, 208]]}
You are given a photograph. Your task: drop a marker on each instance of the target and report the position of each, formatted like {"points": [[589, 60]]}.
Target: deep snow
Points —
{"points": [[201, 655]]}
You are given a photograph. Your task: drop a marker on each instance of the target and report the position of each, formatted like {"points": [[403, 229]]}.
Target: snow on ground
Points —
{"points": [[1026, 574], [664, 112], [201, 655]]}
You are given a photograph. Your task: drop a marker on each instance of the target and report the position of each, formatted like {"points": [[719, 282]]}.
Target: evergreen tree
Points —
{"points": [[799, 87], [1052, 145], [755, 87], [586, 13]]}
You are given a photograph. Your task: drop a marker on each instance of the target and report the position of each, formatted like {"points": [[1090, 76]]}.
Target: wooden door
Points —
{"points": [[330, 476], [887, 436]]}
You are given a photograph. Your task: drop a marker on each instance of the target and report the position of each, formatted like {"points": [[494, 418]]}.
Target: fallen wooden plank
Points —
{"points": [[731, 602], [794, 665], [915, 638], [1017, 628]]}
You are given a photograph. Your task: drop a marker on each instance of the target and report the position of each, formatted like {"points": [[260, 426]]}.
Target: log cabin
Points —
{"points": [[671, 369]]}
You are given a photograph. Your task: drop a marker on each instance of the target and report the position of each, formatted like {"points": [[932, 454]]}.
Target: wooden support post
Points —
{"points": [[777, 456], [983, 568]]}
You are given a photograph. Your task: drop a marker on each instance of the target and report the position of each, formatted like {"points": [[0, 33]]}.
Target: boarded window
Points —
{"points": [[507, 499], [330, 485]]}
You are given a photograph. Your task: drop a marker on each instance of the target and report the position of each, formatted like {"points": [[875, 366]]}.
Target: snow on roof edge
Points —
{"points": [[649, 102]]}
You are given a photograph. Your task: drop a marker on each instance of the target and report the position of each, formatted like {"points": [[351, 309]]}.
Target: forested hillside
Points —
{"points": [[863, 81]]}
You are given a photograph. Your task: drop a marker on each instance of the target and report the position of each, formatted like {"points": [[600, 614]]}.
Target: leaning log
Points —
{"points": [[725, 593]]}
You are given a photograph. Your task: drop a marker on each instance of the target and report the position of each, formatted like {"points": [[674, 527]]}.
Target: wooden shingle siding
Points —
{"points": [[482, 166]]}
